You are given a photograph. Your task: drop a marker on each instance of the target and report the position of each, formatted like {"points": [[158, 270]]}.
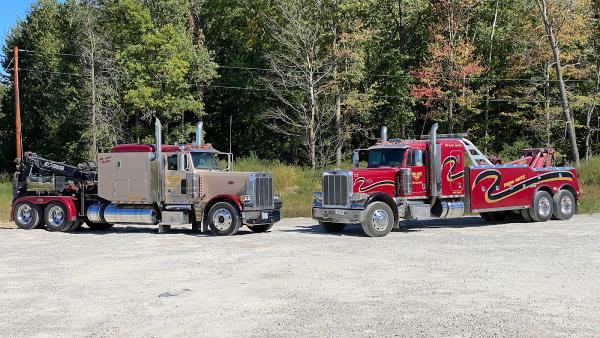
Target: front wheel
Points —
{"points": [[27, 216], [379, 220], [56, 217], [332, 227], [260, 227], [224, 219]]}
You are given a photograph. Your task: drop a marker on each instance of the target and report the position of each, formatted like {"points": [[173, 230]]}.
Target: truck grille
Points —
{"points": [[263, 188], [335, 190]]}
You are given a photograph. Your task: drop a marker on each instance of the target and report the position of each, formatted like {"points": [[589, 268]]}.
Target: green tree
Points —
{"points": [[164, 63]]}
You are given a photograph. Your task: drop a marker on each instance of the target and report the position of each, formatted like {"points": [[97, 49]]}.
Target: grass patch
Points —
{"points": [[589, 181], [294, 184], [5, 201]]}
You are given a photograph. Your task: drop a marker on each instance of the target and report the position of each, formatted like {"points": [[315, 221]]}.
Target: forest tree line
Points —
{"points": [[303, 81]]}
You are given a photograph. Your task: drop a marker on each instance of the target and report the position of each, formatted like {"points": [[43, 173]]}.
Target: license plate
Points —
{"points": [[339, 212], [265, 215]]}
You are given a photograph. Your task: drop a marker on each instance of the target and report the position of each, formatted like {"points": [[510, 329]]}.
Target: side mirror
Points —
{"points": [[229, 162], [355, 159], [222, 157]]}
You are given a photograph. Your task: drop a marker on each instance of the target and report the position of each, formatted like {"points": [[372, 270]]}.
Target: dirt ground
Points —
{"points": [[440, 278]]}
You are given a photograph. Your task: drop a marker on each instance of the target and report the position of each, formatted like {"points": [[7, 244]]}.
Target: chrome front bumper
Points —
{"points": [[346, 216], [261, 216]]}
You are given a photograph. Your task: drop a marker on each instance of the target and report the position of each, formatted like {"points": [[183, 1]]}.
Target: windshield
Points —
{"points": [[385, 158], [205, 161]]}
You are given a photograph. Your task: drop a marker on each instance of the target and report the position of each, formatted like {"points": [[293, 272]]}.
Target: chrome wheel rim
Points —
{"points": [[544, 207], [566, 205], [222, 219], [380, 220], [56, 216], [25, 214]]}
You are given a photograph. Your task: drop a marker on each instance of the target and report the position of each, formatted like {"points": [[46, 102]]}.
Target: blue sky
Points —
{"points": [[11, 10]]}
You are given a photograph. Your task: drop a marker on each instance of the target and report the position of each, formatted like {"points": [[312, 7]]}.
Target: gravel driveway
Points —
{"points": [[462, 277]]}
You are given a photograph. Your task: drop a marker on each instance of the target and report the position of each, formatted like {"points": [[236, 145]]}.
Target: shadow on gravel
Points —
{"points": [[349, 230], [405, 226], [462, 222], [149, 230]]}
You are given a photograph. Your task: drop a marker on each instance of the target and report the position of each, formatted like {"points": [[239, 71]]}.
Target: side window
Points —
{"points": [[415, 158], [172, 162]]}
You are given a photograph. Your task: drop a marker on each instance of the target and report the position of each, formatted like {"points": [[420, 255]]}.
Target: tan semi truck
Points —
{"points": [[158, 184]]}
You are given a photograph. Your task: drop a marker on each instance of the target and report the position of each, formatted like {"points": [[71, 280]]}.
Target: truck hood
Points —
{"points": [[374, 180]]}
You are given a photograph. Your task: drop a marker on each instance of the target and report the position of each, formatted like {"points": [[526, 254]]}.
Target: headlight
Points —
{"points": [[276, 197], [358, 197], [318, 196], [246, 198]]}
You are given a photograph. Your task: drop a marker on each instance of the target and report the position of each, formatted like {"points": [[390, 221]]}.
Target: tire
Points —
{"points": [[56, 217], [224, 219], [76, 225], [98, 226], [332, 227], [379, 220], [542, 208], [565, 205], [27, 216], [260, 227], [526, 216]]}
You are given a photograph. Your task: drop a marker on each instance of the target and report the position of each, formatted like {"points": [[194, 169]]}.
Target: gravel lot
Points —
{"points": [[452, 278]]}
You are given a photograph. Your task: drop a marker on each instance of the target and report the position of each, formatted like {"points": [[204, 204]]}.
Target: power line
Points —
{"points": [[9, 63], [262, 89], [406, 76]]}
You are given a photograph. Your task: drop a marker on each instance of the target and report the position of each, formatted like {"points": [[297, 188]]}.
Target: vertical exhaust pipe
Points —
{"points": [[159, 162], [434, 160], [199, 128], [384, 137]]}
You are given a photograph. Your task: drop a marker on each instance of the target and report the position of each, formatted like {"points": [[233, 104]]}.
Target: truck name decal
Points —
{"points": [[493, 197], [362, 188]]}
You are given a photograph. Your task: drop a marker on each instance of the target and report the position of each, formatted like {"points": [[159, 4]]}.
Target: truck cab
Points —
{"points": [[439, 176], [149, 184]]}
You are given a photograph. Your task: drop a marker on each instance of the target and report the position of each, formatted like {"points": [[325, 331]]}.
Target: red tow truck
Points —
{"points": [[442, 176]]}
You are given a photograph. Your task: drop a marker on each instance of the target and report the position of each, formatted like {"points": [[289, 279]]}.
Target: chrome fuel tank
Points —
{"points": [[120, 214]]}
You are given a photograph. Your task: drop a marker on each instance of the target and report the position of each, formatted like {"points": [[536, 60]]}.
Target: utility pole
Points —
{"points": [[19, 154]]}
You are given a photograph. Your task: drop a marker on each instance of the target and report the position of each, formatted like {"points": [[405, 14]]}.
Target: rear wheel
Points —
{"points": [[525, 215], [27, 216], [223, 219], [564, 205], [260, 227], [56, 217], [379, 220], [542, 208], [332, 227]]}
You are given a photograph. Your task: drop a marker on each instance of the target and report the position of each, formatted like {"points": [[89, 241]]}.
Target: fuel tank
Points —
{"points": [[121, 213]]}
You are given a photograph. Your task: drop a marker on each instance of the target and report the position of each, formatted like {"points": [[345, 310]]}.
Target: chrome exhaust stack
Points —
{"points": [[435, 179], [384, 136], [199, 129], [159, 164]]}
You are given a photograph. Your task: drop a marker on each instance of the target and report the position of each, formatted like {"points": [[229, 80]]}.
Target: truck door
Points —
{"points": [[456, 173], [419, 175], [175, 178]]}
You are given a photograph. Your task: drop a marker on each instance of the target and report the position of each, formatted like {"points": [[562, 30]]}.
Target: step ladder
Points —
{"points": [[476, 156]]}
